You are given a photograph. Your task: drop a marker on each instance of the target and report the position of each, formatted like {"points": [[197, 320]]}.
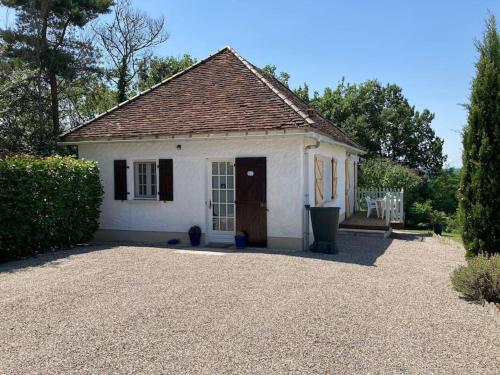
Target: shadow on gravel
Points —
{"points": [[51, 258], [409, 236], [358, 249]]}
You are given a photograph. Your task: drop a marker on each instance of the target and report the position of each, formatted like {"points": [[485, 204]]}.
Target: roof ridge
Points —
{"points": [[147, 90], [250, 67]]}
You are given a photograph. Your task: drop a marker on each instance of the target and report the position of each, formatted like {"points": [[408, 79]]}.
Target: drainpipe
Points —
{"points": [[306, 191]]}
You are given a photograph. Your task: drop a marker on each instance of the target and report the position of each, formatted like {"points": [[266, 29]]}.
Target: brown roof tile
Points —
{"points": [[219, 94]]}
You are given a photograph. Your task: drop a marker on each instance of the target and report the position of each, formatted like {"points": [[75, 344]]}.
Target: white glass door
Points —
{"points": [[221, 201]]}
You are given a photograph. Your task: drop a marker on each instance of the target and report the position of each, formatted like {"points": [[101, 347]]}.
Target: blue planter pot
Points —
{"points": [[195, 235], [438, 229], [240, 242]]}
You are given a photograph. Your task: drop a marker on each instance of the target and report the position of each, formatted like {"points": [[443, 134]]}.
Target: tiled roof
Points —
{"points": [[222, 93]]}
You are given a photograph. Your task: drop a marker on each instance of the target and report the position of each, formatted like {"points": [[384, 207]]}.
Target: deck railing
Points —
{"points": [[391, 199]]}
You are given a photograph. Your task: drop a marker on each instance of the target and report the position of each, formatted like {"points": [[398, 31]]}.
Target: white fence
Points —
{"points": [[390, 202]]}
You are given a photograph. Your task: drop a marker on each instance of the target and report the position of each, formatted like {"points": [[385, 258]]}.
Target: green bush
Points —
{"points": [[420, 215], [453, 224], [438, 217], [442, 190], [384, 173], [479, 279], [47, 203]]}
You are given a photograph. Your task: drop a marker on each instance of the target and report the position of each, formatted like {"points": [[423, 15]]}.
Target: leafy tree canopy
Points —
{"points": [[385, 173], [283, 77], [442, 190], [381, 119], [154, 70], [46, 39]]}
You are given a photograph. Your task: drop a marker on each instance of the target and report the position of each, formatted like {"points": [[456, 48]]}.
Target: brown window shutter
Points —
{"points": [[121, 180], [334, 178], [166, 179], [318, 182]]}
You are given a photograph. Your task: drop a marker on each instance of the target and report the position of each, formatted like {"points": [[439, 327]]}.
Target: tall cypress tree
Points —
{"points": [[480, 184]]}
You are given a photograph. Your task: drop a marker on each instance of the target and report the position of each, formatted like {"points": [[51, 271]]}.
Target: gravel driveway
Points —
{"points": [[380, 306]]}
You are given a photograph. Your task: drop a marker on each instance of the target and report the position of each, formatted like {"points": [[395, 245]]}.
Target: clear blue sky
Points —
{"points": [[426, 47]]}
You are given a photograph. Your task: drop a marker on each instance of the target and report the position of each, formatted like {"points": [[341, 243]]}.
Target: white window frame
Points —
{"points": [[135, 176]]}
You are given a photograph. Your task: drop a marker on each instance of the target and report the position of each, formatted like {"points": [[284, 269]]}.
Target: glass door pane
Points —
{"points": [[222, 193]]}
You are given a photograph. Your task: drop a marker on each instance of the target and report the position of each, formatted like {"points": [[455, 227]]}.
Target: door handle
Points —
{"points": [[210, 204]]}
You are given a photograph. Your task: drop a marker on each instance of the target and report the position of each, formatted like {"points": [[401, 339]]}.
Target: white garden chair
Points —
{"points": [[370, 205]]}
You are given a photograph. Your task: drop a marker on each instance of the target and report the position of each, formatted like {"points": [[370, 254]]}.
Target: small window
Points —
{"points": [[145, 180]]}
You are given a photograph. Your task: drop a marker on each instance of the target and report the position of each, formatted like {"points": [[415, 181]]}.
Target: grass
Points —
{"points": [[422, 232], [454, 236]]}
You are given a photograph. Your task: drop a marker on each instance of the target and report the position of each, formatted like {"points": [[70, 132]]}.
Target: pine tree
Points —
{"points": [[480, 184], [46, 37]]}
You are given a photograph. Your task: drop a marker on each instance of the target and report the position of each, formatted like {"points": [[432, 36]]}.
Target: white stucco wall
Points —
{"points": [[285, 197], [327, 151]]}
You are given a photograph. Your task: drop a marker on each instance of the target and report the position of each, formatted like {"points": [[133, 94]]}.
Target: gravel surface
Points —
{"points": [[379, 306]]}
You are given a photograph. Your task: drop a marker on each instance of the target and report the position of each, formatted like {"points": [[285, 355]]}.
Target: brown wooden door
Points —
{"points": [[251, 211]]}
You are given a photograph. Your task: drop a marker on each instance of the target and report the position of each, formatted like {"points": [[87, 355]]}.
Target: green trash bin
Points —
{"points": [[325, 222]]}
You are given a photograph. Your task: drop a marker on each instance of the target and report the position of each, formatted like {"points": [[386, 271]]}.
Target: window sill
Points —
{"points": [[143, 200]]}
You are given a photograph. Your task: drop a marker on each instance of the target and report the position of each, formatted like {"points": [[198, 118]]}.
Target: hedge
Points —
{"points": [[46, 204]]}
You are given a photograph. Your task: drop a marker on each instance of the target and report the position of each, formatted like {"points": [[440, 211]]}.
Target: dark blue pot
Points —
{"points": [[240, 242], [438, 229]]}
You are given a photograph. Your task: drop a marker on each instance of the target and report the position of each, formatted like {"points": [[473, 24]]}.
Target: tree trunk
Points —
{"points": [[42, 48], [122, 83], [54, 104], [41, 114]]}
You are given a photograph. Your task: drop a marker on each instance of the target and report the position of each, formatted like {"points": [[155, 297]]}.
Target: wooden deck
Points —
{"points": [[358, 220]]}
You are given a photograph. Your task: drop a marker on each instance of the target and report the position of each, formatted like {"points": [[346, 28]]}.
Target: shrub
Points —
{"points": [[420, 215], [384, 173], [438, 217], [442, 189], [453, 224], [479, 279], [47, 203]]}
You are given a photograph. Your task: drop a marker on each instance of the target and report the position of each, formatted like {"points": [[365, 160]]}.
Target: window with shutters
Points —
{"points": [[319, 186], [145, 180]]}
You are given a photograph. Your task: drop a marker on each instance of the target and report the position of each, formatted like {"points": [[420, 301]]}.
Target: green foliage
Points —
{"points": [[47, 40], [157, 69], [303, 92], [384, 173], [47, 203], [480, 183], [453, 224], [442, 188], [19, 132], [438, 217], [88, 98], [283, 77], [381, 119], [479, 279], [420, 215]]}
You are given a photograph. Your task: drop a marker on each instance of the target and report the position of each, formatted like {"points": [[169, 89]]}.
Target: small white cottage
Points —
{"points": [[223, 146]]}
